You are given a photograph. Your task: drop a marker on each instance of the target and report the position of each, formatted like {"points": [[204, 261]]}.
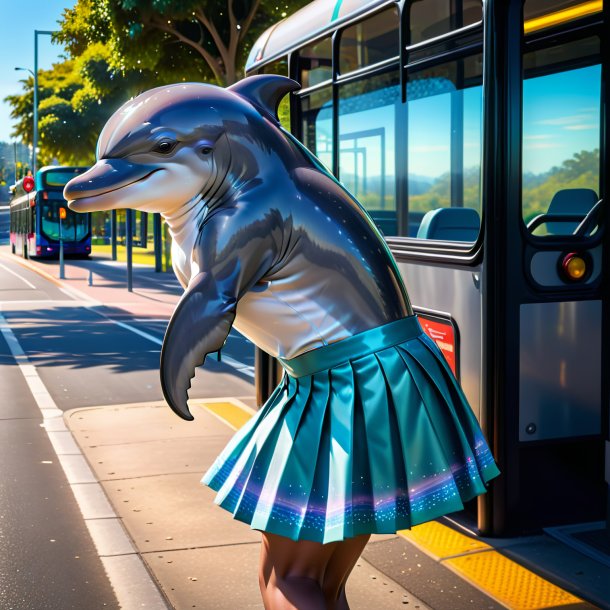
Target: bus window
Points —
{"points": [[444, 150], [367, 160], [431, 18], [317, 124], [561, 135], [315, 63], [369, 41], [275, 67]]}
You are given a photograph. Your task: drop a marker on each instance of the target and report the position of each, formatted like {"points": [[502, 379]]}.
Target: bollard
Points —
{"points": [[90, 277], [62, 272]]}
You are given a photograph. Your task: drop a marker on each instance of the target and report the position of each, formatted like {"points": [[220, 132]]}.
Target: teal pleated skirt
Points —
{"points": [[371, 434]]}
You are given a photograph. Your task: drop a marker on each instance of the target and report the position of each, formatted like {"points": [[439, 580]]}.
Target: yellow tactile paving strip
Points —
{"points": [[441, 540], [477, 562], [233, 415], [480, 564]]}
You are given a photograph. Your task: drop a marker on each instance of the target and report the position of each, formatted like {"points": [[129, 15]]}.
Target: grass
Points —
{"points": [[140, 255]]}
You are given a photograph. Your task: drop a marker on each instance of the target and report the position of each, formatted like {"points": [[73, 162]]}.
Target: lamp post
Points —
{"points": [[35, 112], [35, 75]]}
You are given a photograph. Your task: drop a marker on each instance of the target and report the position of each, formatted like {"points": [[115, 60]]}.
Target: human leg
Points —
{"points": [[291, 573], [339, 567], [304, 575]]}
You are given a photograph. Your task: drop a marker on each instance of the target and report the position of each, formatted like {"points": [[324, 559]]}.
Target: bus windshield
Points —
{"points": [[74, 227], [58, 178]]}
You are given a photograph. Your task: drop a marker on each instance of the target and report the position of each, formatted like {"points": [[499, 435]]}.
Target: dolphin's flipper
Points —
{"points": [[199, 326], [234, 250], [265, 91]]}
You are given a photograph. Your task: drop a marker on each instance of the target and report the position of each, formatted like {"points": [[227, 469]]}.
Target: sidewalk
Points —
{"points": [[105, 282], [150, 464]]}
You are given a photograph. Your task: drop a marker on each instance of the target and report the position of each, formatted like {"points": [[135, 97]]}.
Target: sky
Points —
{"points": [[18, 20]]}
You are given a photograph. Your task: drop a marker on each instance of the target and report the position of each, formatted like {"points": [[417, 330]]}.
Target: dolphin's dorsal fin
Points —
{"points": [[265, 91]]}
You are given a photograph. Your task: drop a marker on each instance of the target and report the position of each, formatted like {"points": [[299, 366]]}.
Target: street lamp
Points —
{"points": [[35, 117], [35, 75]]}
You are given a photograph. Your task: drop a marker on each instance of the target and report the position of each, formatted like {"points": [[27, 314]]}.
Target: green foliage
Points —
{"points": [[118, 48], [439, 193], [75, 98], [581, 171], [172, 40]]}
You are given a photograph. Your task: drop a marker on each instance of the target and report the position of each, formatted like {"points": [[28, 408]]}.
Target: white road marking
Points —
{"points": [[18, 276], [237, 365], [124, 567], [164, 320], [90, 303], [245, 369], [135, 330], [77, 295]]}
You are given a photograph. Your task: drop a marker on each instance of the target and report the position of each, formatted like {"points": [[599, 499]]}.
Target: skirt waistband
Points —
{"points": [[351, 348]]}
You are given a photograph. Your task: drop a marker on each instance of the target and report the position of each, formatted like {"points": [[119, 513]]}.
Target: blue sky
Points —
{"points": [[19, 20]]}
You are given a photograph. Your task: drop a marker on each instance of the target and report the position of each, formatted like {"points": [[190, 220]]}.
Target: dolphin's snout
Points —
{"points": [[105, 176]]}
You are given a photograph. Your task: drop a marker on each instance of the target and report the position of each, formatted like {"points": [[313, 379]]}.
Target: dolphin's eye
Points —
{"points": [[206, 150], [164, 147]]}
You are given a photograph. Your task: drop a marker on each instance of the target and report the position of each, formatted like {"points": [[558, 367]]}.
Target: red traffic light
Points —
{"points": [[62, 213], [28, 184]]}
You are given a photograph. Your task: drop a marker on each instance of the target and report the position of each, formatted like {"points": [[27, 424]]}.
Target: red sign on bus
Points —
{"points": [[28, 184], [443, 334]]}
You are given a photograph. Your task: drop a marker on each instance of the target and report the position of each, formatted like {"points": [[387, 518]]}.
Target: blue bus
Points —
{"points": [[35, 217]]}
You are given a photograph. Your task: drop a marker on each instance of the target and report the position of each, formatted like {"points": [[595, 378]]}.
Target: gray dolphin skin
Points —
{"points": [[265, 239]]}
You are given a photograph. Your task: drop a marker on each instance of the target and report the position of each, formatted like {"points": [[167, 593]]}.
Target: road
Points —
{"points": [[84, 355]]}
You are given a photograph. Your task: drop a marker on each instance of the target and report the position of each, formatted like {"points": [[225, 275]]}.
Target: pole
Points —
{"points": [[35, 135], [157, 242], [15, 155], [62, 274], [113, 234], [129, 246]]}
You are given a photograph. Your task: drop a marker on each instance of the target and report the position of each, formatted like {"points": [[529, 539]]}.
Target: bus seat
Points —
{"points": [[450, 224], [385, 221], [570, 201]]}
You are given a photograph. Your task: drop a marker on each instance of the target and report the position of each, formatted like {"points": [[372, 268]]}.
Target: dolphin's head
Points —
{"points": [[154, 154], [168, 145]]}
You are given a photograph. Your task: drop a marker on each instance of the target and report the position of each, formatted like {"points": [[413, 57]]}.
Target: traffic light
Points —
{"points": [[62, 213]]}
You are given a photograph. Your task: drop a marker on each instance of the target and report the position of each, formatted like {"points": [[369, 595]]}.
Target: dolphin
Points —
{"points": [[265, 239]]}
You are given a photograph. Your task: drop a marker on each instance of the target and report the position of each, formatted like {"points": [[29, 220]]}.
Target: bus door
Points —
{"points": [[545, 311]]}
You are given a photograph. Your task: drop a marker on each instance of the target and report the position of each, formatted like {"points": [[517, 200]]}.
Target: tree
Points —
{"points": [[169, 40], [76, 97], [118, 48]]}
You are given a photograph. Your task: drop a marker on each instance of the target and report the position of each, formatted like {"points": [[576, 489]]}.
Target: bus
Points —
{"points": [[475, 133], [35, 217]]}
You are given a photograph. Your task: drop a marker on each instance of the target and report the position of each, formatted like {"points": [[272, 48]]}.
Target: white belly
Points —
{"points": [[286, 322]]}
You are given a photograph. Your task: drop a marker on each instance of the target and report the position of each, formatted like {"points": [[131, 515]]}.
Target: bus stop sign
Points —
{"points": [[28, 184]]}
